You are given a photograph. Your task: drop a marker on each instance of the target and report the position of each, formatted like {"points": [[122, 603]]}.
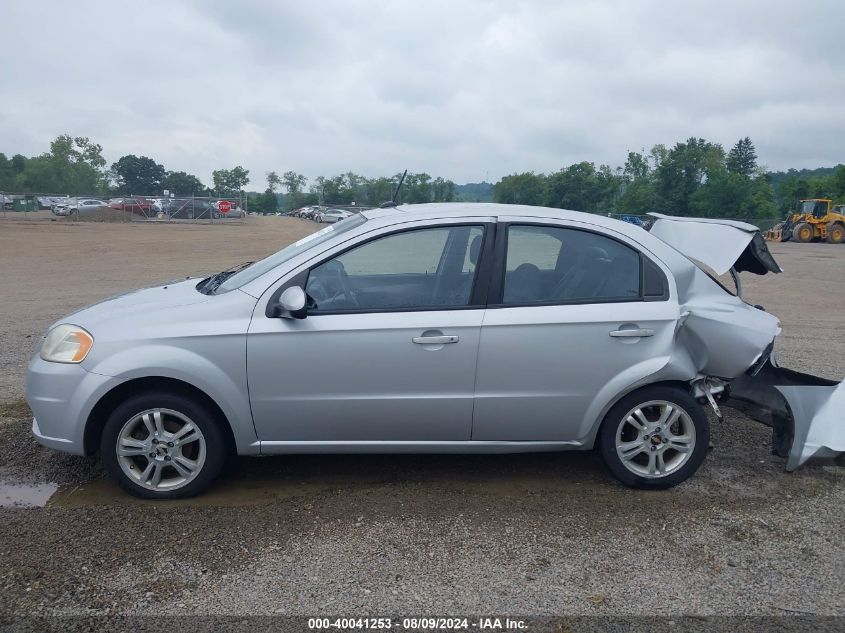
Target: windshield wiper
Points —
{"points": [[210, 285]]}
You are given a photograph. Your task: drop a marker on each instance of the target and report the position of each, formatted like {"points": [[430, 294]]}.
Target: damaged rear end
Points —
{"points": [[804, 411], [729, 343]]}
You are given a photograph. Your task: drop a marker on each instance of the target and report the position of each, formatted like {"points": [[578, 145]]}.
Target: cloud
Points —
{"points": [[466, 90]]}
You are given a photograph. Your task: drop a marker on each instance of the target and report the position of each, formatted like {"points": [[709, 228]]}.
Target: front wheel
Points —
{"points": [[656, 438], [803, 233], [162, 445]]}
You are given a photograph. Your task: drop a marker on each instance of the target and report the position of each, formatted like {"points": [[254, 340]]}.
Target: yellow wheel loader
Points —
{"points": [[818, 219]]}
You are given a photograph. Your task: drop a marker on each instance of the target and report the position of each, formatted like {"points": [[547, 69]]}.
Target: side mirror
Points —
{"points": [[292, 304]]}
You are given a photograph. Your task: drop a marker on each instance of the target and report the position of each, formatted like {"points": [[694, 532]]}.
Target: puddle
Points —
{"points": [[25, 495]]}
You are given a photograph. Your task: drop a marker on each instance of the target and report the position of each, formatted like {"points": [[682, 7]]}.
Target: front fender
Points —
{"points": [[222, 377]]}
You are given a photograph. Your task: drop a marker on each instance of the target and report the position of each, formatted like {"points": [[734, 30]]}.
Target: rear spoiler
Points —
{"points": [[718, 244]]}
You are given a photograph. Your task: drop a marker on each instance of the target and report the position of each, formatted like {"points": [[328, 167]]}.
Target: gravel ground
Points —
{"points": [[518, 534]]}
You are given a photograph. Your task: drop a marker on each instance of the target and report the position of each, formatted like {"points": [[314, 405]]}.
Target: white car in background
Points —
{"points": [[330, 216]]}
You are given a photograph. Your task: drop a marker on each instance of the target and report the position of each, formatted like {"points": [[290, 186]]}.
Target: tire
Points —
{"points": [[690, 430], [836, 232], [803, 233], [132, 421]]}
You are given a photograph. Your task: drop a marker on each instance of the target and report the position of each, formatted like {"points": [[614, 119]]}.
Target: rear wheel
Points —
{"points": [[803, 233], [836, 232], [162, 445], [656, 437]]}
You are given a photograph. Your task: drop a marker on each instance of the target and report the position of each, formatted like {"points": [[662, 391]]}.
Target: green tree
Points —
{"points": [[742, 159], [138, 175], [581, 187], [180, 183], [416, 189], [682, 170], [294, 185], [273, 181], [229, 182], [293, 182], [443, 190], [264, 203], [525, 188], [379, 190], [72, 166]]}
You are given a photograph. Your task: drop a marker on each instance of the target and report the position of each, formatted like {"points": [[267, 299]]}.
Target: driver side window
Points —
{"points": [[416, 269]]}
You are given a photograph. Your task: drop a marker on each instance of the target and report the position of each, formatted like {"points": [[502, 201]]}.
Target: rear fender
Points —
{"points": [[805, 412]]}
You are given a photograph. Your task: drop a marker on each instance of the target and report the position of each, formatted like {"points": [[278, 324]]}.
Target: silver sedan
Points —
{"points": [[471, 328], [80, 207]]}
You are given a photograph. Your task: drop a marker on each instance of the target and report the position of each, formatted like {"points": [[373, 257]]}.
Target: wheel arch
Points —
{"points": [[100, 412], [590, 441]]}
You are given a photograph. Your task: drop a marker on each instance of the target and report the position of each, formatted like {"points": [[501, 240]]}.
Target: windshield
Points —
{"points": [[814, 207], [268, 263]]}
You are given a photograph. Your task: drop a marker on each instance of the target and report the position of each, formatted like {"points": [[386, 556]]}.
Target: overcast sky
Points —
{"points": [[466, 90]]}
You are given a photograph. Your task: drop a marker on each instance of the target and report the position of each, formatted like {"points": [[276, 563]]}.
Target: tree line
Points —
{"points": [[695, 177]]}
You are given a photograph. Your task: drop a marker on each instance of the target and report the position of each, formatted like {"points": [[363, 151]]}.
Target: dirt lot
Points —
{"points": [[547, 534]]}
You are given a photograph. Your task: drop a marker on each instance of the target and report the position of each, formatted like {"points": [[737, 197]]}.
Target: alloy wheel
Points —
{"points": [[161, 449], [655, 439]]}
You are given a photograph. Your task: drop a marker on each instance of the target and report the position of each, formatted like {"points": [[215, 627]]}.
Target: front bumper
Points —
{"points": [[61, 397], [806, 413]]}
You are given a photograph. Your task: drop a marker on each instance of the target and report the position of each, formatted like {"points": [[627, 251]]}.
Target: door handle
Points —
{"points": [[435, 340], [632, 333]]}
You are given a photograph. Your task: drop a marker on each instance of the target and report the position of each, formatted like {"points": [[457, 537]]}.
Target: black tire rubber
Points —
{"points": [[836, 232], [606, 440], [215, 449], [796, 232]]}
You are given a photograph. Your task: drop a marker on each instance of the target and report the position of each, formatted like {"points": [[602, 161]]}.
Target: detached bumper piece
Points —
{"points": [[806, 413]]}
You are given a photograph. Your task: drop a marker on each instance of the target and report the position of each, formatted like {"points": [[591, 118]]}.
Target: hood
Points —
{"points": [[150, 303], [716, 243]]}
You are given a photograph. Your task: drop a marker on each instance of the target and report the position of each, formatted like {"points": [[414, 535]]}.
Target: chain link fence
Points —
{"points": [[130, 208]]}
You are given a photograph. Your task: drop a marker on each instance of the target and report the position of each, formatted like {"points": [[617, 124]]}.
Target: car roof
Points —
{"points": [[476, 209]]}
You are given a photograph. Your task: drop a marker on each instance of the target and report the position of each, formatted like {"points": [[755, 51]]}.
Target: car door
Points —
{"points": [[576, 315], [388, 349]]}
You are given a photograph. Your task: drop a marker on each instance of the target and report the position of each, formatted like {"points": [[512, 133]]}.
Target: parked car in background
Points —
{"points": [[81, 207], [189, 208], [235, 211], [134, 205], [6, 202], [48, 202], [330, 216], [632, 219], [62, 206]]}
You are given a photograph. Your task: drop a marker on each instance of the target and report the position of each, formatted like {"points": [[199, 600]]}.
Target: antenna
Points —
{"points": [[392, 203]]}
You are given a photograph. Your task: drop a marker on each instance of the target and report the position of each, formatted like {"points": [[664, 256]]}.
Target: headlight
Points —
{"points": [[66, 344]]}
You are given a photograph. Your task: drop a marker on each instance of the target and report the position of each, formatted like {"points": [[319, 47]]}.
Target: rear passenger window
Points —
{"points": [[557, 265], [654, 281]]}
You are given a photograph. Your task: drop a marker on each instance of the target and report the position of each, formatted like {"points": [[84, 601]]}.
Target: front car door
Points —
{"points": [[576, 315], [387, 352]]}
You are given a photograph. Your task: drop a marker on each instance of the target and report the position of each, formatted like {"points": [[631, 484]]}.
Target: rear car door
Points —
{"points": [[388, 349], [576, 314]]}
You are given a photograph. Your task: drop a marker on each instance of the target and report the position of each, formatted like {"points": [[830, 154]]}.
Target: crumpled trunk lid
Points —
{"points": [[806, 413], [718, 244]]}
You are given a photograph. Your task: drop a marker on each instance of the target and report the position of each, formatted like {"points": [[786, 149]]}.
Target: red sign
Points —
{"points": [[224, 206]]}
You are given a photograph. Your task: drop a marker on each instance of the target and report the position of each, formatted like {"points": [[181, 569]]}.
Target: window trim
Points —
{"points": [[497, 284], [478, 292]]}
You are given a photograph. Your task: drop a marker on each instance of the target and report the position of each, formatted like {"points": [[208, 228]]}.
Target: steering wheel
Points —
{"points": [[336, 269]]}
